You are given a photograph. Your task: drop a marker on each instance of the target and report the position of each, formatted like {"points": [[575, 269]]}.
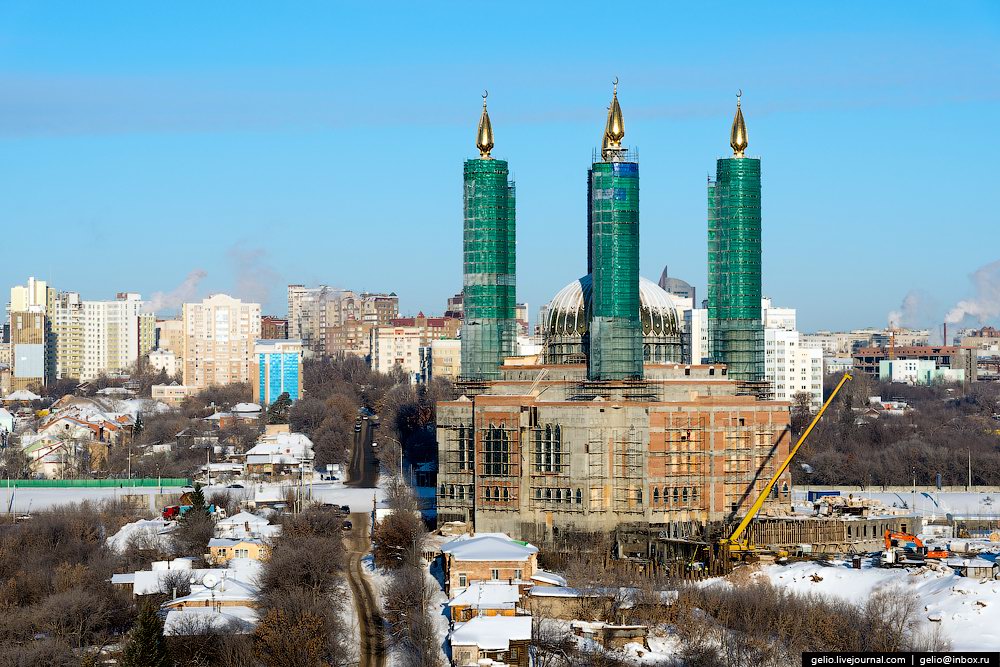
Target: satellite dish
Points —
{"points": [[210, 581]]}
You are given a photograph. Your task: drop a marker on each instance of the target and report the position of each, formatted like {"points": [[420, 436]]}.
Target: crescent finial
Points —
{"points": [[739, 94], [615, 82], [486, 94]]}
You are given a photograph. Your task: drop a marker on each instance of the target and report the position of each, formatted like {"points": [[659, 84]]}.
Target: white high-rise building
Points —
{"points": [[397, 346], [777, 318], [115, 334], [219, 335], [792, 368]]}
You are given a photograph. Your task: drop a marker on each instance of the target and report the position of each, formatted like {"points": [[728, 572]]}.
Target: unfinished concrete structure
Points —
{"points": [[545, 452]]}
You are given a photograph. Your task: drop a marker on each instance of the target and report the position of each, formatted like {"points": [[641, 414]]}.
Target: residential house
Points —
{"points": [[280, 455], [500, 638], [221, 550], [485, 598], [219, 601], [245, 525], [487, 557]]}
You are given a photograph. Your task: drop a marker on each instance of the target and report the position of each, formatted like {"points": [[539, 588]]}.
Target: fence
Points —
{"points": [[144, 482]]}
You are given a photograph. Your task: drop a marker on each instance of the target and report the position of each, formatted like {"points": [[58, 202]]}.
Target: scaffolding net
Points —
{"points": [[615, 334], [736, 329], [489, 328]]}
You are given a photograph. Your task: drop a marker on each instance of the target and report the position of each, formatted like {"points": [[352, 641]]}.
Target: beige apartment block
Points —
{"points": [[219, 335]]}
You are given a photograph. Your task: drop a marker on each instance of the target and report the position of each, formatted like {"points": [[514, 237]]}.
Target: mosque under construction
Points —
{"points": [[607, 428]]}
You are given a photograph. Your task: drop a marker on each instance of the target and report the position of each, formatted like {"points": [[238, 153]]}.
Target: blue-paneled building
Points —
{"points": [[278, 369]]}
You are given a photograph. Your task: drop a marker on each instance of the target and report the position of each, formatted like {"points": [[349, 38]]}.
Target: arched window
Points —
{"points": [[506, 494], [694, 494], [676, 494], [451, 491], [684, 494], [567, 495], [656, 496], [548, 494], [579, 497], [638, 496], [442, 491], [558, 495]]}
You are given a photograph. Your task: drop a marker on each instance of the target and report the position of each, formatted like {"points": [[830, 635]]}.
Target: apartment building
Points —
{"points": [[219, 335]]}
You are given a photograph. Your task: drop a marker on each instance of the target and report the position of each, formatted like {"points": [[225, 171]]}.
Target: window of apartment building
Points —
{"points": [[463, 581], [495, 574], [548, 449], [496, 451], [517, 574]]}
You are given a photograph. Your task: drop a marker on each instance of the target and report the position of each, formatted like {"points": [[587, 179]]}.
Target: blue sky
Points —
{"points": [[268, 143]]}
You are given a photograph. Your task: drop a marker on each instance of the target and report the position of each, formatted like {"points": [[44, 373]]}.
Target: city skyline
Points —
{"points": [[280, 138]]}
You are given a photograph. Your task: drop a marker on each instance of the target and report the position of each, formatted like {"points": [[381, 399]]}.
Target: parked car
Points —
{"points": [[346, 509], [235, 486], [348, 525]]}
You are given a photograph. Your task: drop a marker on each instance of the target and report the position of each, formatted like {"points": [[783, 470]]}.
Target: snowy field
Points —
{"points": [[40, 499]]}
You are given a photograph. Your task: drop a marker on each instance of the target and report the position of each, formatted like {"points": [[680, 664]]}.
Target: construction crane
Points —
{"points": [[738, 543]]}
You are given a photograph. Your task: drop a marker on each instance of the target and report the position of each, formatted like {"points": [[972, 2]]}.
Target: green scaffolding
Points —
{"points": [[489, 328], [736, 330], [615, 345]]}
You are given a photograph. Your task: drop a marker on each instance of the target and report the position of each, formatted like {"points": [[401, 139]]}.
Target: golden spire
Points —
{"points": [[616, 124], [484, 135], [738, 135]]}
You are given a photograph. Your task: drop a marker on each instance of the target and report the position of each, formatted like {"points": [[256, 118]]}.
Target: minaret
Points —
{"points": [[615, 336], [489, 327], [736, 329]]}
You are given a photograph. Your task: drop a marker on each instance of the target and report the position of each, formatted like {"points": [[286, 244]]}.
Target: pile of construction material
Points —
{"points": [[855, 506]]}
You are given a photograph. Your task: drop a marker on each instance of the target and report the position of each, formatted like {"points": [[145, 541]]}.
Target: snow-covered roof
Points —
{"points": [[970, 562], [295, 444], [231, 542], [154, 530], [226, 590], [243, 518], [551, 578], [490, 547], [193, 620], [22, 395], [487, 595], [492, 633], [115, 391], [244, 408], [557, 592]]}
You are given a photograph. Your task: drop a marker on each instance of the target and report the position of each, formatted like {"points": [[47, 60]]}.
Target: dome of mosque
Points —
{"points": [[566, 314]]}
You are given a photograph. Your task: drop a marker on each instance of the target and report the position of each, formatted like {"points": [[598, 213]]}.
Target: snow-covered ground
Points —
{"points": [[967, 609], [926, 503], [28, 499]]}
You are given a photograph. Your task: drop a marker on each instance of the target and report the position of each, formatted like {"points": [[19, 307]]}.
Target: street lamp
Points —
{"points": [[400, 452]]}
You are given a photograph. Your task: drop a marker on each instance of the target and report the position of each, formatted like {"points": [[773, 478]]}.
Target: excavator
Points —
{"points": [[906, 549], [738, 544]]}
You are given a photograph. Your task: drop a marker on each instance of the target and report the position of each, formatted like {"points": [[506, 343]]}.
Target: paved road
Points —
{"points": [[363, 470], [363, 473]]}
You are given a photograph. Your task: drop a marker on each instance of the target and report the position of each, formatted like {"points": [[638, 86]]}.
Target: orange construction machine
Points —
{"points": [[903, 548]]}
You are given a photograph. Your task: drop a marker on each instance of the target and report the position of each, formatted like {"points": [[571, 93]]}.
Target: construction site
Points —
{"points": [[604, 432]]}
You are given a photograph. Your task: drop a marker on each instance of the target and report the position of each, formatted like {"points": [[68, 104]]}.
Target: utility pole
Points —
{"points": [[969, 488]]}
